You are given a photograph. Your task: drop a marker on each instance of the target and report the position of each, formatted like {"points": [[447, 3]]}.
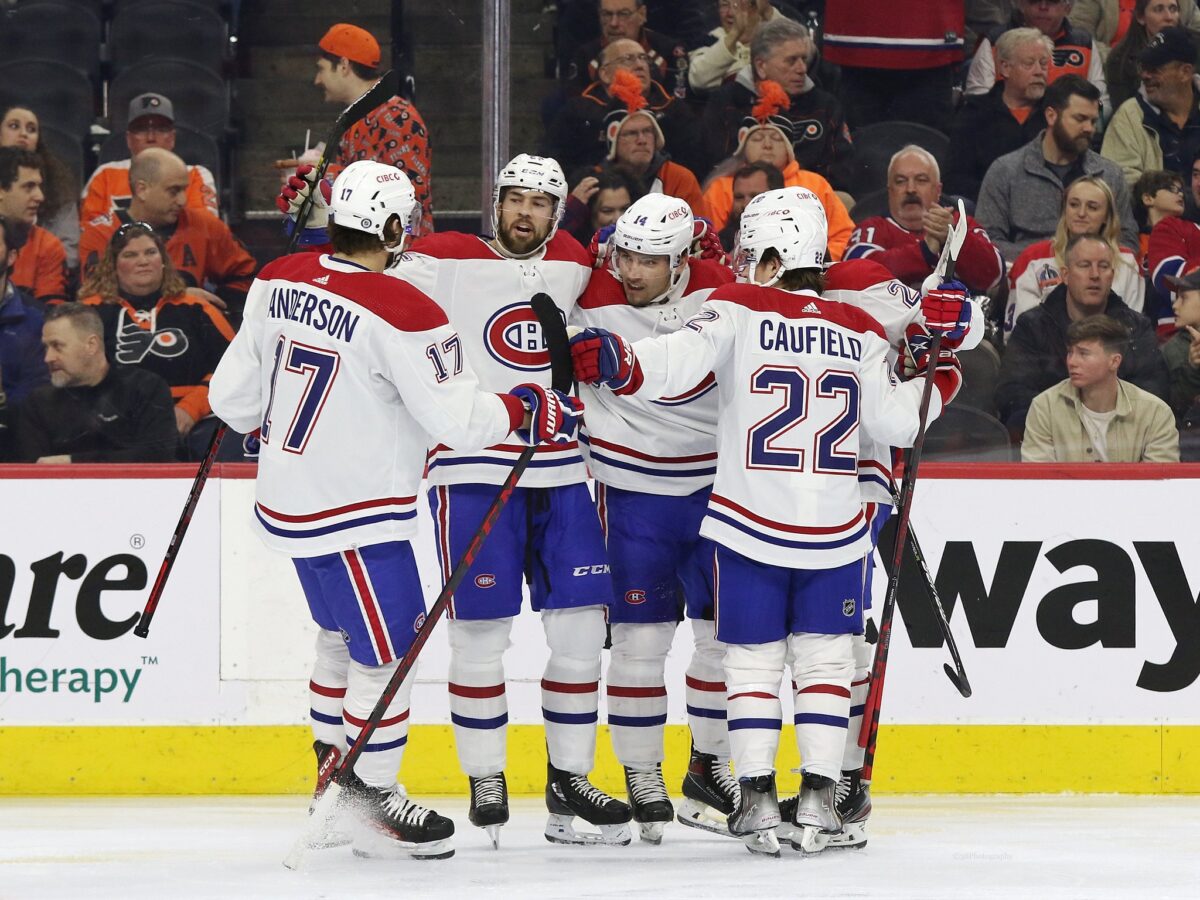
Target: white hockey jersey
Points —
{"points": [[351, 376], [797, 376], [666, 446], [486, 298]]}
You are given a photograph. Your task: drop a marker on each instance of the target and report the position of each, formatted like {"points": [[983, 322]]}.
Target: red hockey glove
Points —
{"points": [[947, 308], [706, 244]]}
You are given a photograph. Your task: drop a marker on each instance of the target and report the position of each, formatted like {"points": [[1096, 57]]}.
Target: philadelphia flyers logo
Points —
{"points": [[1068, 58], [514, 338], [808, 130], [635, 597], [139, 336]]}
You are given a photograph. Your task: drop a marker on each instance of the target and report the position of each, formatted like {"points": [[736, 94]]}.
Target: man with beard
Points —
{"points": [[1020, 200]]}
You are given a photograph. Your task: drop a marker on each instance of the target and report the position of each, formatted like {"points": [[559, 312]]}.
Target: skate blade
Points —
{"points": [[331, 839], [651, 832], [695, 814], [493, 833], [763, 843], [373, 845], [812, 839], [561, 830], [853, 837]]}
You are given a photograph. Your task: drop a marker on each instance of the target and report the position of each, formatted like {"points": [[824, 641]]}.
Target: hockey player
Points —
{"points": [[337, 362], [654, 462], [797, 376]]}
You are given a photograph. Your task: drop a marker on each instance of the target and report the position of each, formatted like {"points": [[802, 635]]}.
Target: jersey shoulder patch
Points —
{"points": [[796, 306], [453, 245], [856, 275], [564, 248], [602, 290], [397, 302], [707, 273]]}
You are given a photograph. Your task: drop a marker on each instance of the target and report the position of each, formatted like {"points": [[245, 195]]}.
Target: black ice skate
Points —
{"points": [[395, 826], [854, 806], [489, 805], [568, 796], [812, 819], [711, 794], [757, 816], [328, 759], [651, 804]]}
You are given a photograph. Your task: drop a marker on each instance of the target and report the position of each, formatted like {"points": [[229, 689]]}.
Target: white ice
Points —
{"points": [[1084, 848]]}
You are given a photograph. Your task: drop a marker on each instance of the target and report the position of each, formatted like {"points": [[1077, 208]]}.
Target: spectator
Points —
{"points": [[1075, 51], [1173, 248], [41, 266], [1182, 351], [625, 20], [749, 181], [1110, 21], [150, 321], [1087, 209], [908, 241], [1094, 416], [599, 200], [1156, 196], [21, 365], [582, 133], [201, 246], [151, 123], [1160, 128], [91, 411], [768, 137], [59, 214], [779, 53], [393, 132], [1006, 117], [1035, 356], [1021, 195], [899, 58], [729, 51]]}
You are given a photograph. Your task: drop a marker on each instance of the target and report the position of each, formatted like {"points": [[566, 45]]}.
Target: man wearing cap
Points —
{"points": [[151, 123], [393, 133], [1160, 130]]}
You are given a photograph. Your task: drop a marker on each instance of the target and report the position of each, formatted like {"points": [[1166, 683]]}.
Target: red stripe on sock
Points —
{"points": [[360, 723], [698, 685], [326, 691], [761, 695], [836, 690], [477, 693], [566, 687], [866, 680], [618, 691]]}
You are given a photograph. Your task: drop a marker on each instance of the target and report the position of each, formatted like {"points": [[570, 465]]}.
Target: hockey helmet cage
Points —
{"points": [[789, 220], [532, 173], [655, 225], [367, 194]]}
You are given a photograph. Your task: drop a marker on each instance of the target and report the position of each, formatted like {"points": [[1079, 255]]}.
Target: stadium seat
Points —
{"points": [[53, 29], [875, 144], [61, 95], [981, 372], [966, 434], [192, 147], [870, 205], [67, 148], [199, 95], [168, 29]]}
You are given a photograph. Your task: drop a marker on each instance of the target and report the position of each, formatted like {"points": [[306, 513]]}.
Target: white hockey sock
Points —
{"points": [[705, 694], [637, 692], [852, 757], [570, 685], [822, 668], [478, 702], [327, 687], [753, 673], [379, 763]]}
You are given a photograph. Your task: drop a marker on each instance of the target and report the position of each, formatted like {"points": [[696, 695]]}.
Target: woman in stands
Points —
{"points": [[19, 127], [1121, 70], [150, 320], [599, 199], [1088, 208]]}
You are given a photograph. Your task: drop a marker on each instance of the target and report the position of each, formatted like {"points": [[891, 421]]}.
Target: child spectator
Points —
{"points": [[1182, 351], [1157, 195]]}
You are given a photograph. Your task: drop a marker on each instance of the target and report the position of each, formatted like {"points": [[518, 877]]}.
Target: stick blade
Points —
{"points": [[959, 681], [554, 330], [318, 821]]}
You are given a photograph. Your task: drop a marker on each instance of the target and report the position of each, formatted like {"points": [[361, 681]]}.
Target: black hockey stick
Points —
{"points": [[384, 88], [561, 376], [958, 674]]}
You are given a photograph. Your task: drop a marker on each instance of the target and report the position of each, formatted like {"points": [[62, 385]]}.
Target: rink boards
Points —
{"points": [[1072, 594]]}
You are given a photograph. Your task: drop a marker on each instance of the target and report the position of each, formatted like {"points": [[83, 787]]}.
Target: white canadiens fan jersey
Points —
{"points": [[666, 446], [352, 376], [486, 298], [797, 376]]}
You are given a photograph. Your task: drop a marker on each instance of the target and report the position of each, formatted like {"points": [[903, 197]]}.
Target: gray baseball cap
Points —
{"points": [[150, 105]]}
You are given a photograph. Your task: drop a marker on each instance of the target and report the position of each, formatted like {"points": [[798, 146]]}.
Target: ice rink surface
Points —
{"points": [[1015, 848]]}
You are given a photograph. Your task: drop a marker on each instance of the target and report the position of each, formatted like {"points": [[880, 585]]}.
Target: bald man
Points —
{"points": [[200, 245]]}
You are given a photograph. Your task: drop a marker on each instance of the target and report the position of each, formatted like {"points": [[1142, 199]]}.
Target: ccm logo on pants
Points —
{"points": [[590, 570]]}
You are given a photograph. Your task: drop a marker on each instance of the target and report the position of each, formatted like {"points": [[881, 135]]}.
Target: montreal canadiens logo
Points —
{"points": [[635, 597], [514, 338], [418, 622], [485, 581]]}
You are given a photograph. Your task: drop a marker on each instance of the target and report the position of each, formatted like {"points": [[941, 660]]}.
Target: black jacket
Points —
{"points": [[1035, 357], [983, 130]]}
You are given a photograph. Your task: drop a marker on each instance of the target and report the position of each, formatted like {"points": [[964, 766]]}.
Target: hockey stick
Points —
{"points": [[958, 674], [562, 374], [384, 88]]}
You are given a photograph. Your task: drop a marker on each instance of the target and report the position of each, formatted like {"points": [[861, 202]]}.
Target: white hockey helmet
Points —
{"points": [[790, 221], [367, 194], [655, 225], [532, 173]]}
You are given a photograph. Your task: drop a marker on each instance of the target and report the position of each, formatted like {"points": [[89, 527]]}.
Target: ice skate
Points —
{"points": [[651, 804], [854, 806], [328, 759], [757, 816], [815, 820], [393, 826], [711, 794], [569, 795], [489, 805]]}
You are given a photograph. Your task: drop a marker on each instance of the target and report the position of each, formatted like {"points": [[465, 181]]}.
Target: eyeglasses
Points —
{"points": [[629, 59], [623, 15]]}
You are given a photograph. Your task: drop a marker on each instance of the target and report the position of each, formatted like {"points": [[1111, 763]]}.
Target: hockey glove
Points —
{"points": [[601, 357], [706, 244], [947, 372], [292, 197], [251, 444], [598, 246], [553, 415], [947, 308]]}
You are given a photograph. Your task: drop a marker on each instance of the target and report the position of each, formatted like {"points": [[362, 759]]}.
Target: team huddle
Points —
{"points": [[738, 423]]}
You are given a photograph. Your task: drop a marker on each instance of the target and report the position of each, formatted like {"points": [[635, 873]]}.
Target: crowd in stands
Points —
{"points": [[1069, 132]]}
